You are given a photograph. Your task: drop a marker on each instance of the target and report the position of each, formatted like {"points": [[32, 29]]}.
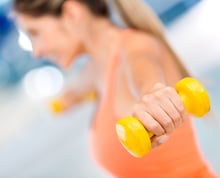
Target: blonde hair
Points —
{"points": [[139, 15]]}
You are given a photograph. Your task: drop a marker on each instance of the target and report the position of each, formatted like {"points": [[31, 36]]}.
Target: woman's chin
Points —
{"points": [[66, 65]]}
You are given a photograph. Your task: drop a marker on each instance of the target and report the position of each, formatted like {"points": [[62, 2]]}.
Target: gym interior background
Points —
{"points": [[35, 143]]}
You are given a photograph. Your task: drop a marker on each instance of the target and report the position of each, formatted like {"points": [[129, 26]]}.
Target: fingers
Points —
{"points": [[172, 105], [161, 110], [175, 103], [160, 90], [154, 118], [149, 122], [158, 140]]}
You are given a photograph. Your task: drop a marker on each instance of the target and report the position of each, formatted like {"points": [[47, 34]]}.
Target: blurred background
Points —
{"points": [[36, 143]]}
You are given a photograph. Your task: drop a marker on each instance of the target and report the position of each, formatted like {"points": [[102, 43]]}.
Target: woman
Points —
{"points": [[132, 70]]}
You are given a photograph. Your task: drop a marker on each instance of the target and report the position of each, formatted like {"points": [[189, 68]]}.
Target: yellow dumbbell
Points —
{"points": [[136, 139], [58, 105]]}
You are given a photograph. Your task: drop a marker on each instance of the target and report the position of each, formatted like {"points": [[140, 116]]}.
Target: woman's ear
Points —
{"points": [[71, 11]]}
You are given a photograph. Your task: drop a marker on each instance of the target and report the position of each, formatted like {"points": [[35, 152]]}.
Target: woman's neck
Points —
{"points": [[101, 39]]}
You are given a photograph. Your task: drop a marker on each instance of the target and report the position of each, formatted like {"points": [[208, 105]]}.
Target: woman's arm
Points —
{"points": [[151, 73], [81, 89]]}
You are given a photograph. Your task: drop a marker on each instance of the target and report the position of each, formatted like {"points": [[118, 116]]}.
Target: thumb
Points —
{"points": [[158, 140]]}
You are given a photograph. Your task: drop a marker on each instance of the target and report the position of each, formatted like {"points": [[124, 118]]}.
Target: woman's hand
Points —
{"points": [[161, 111], [70, 98]]}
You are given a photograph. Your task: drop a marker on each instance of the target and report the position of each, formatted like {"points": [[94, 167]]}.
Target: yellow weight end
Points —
{"points": [[194, 96], [56, 106], [133, 136]]}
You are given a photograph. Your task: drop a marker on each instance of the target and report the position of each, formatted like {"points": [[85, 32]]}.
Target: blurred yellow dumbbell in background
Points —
{"points": [[64, 102], [136, 139]]}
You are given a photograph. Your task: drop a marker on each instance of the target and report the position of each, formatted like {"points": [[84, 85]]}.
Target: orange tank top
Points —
{"points": [[179, 157]]}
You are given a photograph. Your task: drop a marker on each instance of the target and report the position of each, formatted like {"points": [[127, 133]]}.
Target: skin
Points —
{"points": [[150, 66]]}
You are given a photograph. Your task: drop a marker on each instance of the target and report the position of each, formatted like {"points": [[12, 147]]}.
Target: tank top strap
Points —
{"points": [[117, 57], [112, 73]]}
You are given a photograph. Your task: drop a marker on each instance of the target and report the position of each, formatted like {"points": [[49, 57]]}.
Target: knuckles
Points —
{"points": [[153, 99]]}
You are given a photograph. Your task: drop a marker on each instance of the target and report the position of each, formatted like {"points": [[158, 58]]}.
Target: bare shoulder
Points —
{"points": [[143, 42], [145, 47], [148, 56]]}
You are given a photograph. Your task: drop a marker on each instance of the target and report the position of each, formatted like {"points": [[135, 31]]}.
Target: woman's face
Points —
{"points": [[51, 38]]}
